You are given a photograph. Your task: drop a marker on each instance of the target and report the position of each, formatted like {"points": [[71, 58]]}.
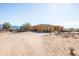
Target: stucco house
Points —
{"points": [[46, 28]]}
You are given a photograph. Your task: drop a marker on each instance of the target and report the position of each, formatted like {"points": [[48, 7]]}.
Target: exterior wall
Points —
{"points": [[38, 28], [58, 28], [47, 28]]}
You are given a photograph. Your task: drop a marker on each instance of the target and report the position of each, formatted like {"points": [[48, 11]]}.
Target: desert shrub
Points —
{"points": [[77, 30], [72, 29], [72, 51], [0, 30], [66, 30], [17, 30], [6, 26], [62, 34], [25, 27], [12, 30]]}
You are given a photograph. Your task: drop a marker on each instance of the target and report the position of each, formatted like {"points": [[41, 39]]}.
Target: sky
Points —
{"points": [[65, 14]]}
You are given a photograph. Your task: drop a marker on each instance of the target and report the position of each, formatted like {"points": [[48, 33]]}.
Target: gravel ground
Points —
{"points": [[33, 44]]}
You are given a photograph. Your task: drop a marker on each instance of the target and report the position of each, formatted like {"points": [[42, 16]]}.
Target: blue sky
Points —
{"points": [[66, 14]]}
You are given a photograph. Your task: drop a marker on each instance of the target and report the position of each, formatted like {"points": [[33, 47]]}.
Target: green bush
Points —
{"points": [[25, 27], [6, 26]]}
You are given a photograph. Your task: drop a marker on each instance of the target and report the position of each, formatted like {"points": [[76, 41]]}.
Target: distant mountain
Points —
{"points": [[1, 26], [13, 27]]}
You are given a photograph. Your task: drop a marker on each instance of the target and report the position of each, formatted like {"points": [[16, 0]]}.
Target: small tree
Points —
{"points": [[25, 27], [6, 26]]}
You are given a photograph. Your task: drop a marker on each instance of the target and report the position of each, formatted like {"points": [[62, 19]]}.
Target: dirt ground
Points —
{"points": [[35, 44]]}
